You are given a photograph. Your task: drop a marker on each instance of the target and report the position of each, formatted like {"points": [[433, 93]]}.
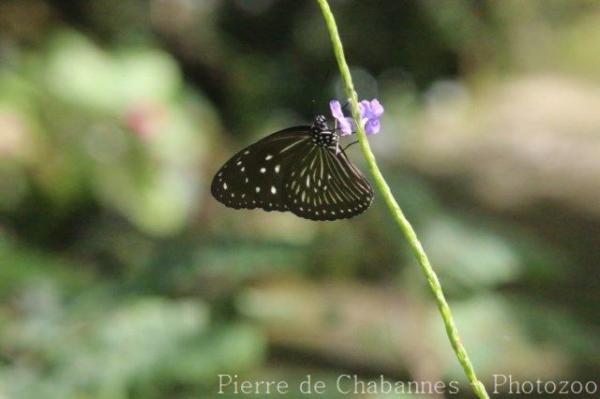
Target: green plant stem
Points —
{"points": [[403, 223]]}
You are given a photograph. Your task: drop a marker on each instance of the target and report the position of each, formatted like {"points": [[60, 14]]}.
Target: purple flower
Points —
{"points": [[370, 112], [346, 124]]}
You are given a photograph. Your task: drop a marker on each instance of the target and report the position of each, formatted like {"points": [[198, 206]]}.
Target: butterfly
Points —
{"points": [[299, 169]]}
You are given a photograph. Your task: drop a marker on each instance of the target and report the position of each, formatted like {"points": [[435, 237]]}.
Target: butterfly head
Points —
{"points": [[322, 135], [320, 123]]}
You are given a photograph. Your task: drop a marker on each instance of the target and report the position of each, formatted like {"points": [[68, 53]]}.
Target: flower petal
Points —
{"points": [[345, 124], [364, 107], [336, 109], [376, 108], [372, 126]]}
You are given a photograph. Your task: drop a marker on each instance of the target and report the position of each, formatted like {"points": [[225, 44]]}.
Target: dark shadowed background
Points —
{"points": [[121, 277]]}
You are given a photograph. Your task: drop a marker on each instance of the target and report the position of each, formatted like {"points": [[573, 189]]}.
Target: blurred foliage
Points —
{"points": [[120, 277]]}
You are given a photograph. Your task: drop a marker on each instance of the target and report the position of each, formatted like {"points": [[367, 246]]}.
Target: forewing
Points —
{"points": [[253, 178], [326, 186]]}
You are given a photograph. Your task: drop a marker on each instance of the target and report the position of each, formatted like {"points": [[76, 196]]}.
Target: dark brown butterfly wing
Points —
{"points": [[253, 178], [290, 171], [327, 186]]}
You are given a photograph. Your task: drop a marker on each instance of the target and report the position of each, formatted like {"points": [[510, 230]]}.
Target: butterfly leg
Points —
{"points": [[354, 142]]}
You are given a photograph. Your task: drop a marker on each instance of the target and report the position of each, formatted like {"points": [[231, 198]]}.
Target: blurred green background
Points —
{"points": [[121, 277]]}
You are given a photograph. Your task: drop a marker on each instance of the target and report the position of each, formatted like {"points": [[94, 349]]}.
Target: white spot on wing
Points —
{"points": [[263, 170], [273, 190]]}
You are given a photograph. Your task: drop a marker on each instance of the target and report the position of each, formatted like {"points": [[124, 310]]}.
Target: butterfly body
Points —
{"points": [[298, 169]]}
